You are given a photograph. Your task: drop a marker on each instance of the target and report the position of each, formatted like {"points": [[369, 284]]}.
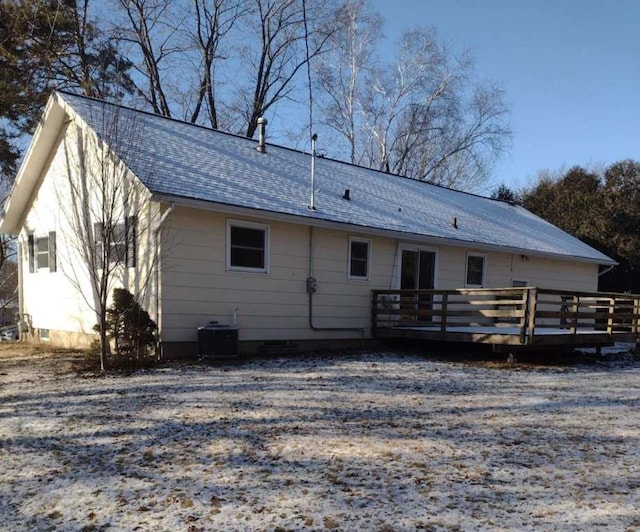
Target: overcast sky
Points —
{"points": [[570, 68]]}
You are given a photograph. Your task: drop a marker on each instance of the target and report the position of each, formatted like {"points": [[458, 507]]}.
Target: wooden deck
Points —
{"points": [[525, 317]]}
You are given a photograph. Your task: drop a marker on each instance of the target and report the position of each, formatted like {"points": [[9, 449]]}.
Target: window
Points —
{"points": [[121, 242], [247, 246], [42, 252], [359, 249], [475, 270], [519, 283]]}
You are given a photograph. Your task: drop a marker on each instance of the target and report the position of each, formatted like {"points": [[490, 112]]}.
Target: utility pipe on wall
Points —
{"points": [[312, 285]]}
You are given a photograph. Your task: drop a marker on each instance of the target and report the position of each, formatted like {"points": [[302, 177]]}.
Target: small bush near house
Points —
{"points": [[131, 331]]}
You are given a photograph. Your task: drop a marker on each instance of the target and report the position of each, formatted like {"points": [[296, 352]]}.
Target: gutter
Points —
{"points": [[405, 236], [312, 286], [607, 270], [156, 280]]}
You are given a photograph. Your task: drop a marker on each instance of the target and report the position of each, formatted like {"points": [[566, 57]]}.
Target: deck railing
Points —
{"points": [[513, 311]]}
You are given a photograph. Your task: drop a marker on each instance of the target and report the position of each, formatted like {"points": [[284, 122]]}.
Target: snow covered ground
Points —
{"points": [[368, 442]]}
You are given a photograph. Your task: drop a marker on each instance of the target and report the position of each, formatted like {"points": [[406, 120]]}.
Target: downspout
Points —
{"points": [[21, 321], [156, 273], [312, 286]]}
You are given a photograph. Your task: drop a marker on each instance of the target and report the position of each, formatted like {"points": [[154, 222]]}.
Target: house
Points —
{"points": [[281, 243]]}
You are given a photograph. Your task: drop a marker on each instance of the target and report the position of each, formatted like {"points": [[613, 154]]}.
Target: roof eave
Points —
{"points": [[391, 233]]}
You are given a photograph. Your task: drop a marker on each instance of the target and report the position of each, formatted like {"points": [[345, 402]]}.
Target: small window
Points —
{"points": [[359, 249], [475, 270], [247, 246], [519, 283], [42, 252], [44, 334]]}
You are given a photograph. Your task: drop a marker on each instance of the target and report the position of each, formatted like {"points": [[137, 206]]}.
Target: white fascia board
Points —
{"points": [[366, 230], [31, 170]]}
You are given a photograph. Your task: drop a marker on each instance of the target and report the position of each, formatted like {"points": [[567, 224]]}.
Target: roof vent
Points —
{"points": [[347, 194], [262, 126], [454, 222]]}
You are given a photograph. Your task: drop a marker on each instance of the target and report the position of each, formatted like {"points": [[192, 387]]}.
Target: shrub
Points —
{"points": [[131, 330]]}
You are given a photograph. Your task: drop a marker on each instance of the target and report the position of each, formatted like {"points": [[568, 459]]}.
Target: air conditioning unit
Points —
{"points": [[217, 341]]}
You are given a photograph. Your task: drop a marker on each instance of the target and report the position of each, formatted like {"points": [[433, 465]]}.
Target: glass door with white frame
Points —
{"points": [[417, 272]]}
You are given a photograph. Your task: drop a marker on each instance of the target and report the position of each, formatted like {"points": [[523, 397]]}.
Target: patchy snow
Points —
{"points": [[367, 442]]}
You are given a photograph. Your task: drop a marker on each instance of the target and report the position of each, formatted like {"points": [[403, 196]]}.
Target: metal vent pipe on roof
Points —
{"points": [[262, 133], [312, 204]]}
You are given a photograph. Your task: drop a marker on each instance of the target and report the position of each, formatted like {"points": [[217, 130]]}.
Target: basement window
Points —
{"points": [[247, 246], [475, 270], [359, 250]]}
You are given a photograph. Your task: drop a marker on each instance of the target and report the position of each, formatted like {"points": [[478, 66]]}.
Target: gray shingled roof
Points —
{"points": [[179, 159]]}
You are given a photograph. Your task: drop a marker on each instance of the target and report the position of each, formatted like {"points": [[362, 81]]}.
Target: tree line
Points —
{"points": [[416, 108], [601, 208]]}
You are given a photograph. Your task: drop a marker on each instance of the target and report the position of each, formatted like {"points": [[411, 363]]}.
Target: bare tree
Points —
{"points": [[278, 53], [106, 215], [214, 20], [152, 28], [343, 69], [419, 115]]}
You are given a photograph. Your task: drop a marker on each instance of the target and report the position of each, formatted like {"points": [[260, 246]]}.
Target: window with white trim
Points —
{"points": [[359, 258], [247, 246], [41, 252], [474, 275]]}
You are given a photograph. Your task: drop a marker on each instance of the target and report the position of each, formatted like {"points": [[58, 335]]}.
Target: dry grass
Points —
{"points": [[367, 442]]}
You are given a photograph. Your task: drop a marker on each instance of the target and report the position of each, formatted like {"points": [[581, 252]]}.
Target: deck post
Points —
{"points": [[612, 310], [636, 316], [374, 314], [574, 318], [531, 311], [443, 313], [525, 315]]}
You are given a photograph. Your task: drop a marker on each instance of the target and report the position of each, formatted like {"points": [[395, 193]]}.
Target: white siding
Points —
{"points": [[502, 268], [63, 300], [196, 287]]}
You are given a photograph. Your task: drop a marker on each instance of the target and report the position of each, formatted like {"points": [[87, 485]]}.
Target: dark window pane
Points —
{"points": [[244, 236], [409, 279], [247, 258], [427, 269], [475, 267], [359, 259], [359, 250], [247, 247]]}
